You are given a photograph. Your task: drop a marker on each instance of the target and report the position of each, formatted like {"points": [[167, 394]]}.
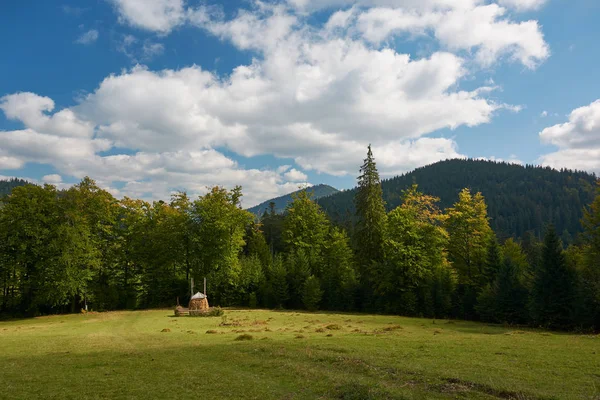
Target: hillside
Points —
{"points": [[318, 191], [6, 186], [519, 198]]}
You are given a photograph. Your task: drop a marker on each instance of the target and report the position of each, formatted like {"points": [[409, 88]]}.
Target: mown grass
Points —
{"points": [[292, 355]]}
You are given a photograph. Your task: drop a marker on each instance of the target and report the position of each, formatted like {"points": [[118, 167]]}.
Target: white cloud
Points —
{"points": [[154, 15], [52, 179], [523, 5], [151, 50], [294, 175], [9, 162], [88, 37], [316, 95], [578, 140], [512, 159], [481, 28], [32, 110], [544, 114], [136, 52], [459, 25]]}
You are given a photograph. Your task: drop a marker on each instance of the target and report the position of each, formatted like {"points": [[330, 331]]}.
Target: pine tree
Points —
{"points": [[493, 261], [553, 294], [370, 229], [511, 295]]}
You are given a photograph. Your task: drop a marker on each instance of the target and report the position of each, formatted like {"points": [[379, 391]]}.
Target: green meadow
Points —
{"points": [[259, 354]]}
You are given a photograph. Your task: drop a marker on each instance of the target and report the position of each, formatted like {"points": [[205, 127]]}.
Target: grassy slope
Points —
{"points": [[125, 355]]}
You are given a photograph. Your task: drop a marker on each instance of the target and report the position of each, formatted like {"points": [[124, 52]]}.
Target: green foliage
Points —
{"points": [[61, 250], [553, 291], [312, 293], [470, 232], [339, 277], [414, 246], [505, 300], [278, 283], [305, 225], [493, 261], [218, 230], [369, 232], [6, 186], [587, 260]]}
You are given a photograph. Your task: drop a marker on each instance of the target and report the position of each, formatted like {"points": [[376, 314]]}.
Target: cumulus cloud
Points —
{"points": [[459, 25], [578, 140], [52, 179], [88, 37], [523, 5], [32, 110], [153, 15], [293, 175], [481, 28], [312, 95]]}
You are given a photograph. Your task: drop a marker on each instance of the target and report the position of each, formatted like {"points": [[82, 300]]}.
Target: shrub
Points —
{"points": [[212, 312]]}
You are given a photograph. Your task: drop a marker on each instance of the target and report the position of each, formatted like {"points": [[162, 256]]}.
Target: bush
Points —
{"points": [[212, 312]]}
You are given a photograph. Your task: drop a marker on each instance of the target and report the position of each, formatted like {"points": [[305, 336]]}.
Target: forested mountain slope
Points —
{"points": [[519, 198], [6, 186], [318, 191]]}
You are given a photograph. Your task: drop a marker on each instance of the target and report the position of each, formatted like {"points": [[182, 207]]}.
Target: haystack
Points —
{"points": [[199, 303]]}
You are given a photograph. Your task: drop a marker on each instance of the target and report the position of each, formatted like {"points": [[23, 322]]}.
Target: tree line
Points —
{"points": [[61, 249]]}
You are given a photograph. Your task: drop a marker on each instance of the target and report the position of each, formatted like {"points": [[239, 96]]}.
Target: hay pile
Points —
{"points": [[198, 304]]}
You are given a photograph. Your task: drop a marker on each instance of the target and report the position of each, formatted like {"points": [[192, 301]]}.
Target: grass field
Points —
{"points": [[289, 355]]}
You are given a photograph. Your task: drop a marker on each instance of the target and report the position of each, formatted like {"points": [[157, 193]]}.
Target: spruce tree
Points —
{"points": [[553, 293], [510, 294], [371, 220], [493, 261]]}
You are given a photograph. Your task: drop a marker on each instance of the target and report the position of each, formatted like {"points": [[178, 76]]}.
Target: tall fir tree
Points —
{"points": [[553, 291], [493, 261], [371, 221]]}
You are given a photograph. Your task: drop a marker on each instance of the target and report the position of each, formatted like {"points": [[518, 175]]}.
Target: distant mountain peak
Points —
{"points": [[318, 191]]}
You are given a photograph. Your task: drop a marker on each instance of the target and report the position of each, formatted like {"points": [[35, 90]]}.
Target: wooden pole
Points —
{"points": [[191, 287], [205, 287]]}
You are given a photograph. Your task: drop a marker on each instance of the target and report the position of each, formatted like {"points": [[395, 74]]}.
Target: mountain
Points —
{"points": [[318, 191], [6, 186], [519, 198]]}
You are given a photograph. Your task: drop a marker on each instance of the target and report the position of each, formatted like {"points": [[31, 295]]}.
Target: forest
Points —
{"points": [[520, 199], [61, 249]]}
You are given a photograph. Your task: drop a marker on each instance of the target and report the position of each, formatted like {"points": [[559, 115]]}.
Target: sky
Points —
{"points": [[150, 97]]}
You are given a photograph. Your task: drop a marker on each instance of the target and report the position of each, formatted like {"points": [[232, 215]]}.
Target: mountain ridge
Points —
{"points": [[318, 191]]}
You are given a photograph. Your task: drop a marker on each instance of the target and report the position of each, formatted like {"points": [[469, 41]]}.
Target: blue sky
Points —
{"points": [[151, 96]]}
